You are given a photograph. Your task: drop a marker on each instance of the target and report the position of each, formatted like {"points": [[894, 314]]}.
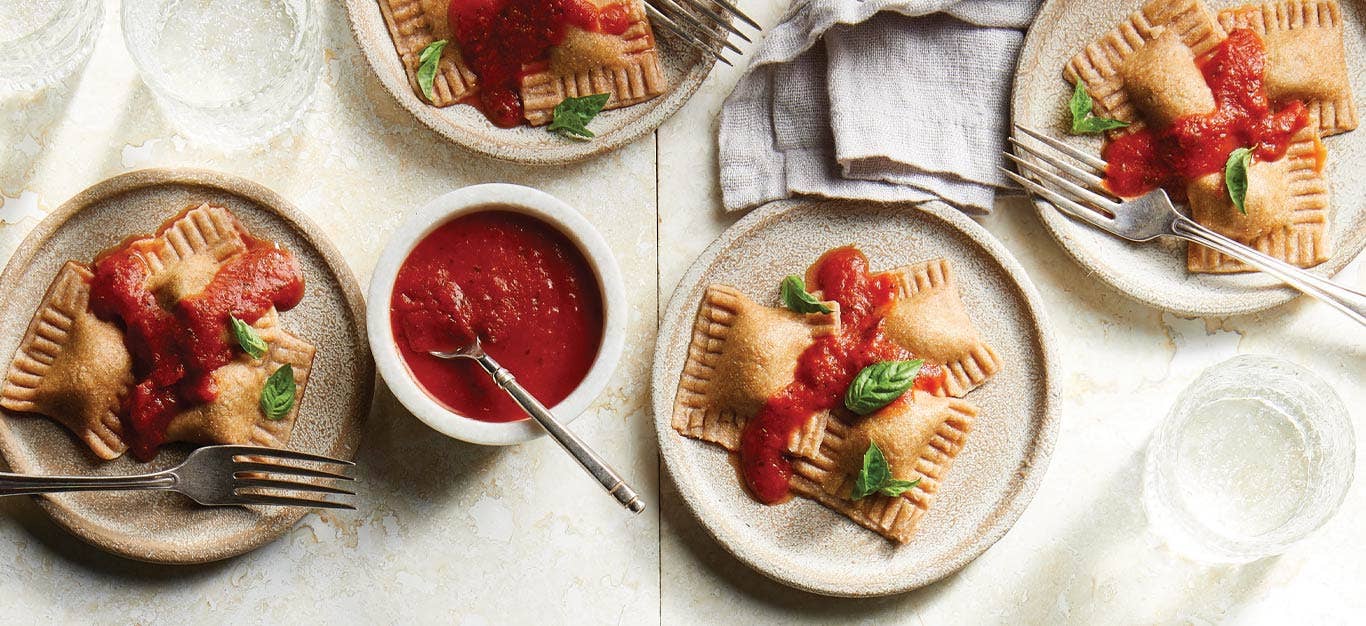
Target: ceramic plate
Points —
{"points": [[801, 543], [1155, 273], [166, 527], [684, 68]]}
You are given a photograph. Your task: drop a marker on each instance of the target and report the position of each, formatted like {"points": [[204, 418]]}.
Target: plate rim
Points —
{"points": [[270, 529], [664, 384], [1061, 228], [575, 152]]}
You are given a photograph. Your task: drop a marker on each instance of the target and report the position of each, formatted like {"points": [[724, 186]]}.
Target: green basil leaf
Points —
{"points": [[429, 61], [572, 115], [247, 338], [879, 384], [798, 300], [1083, 121], [895, 487], [1235, 177], [1093, 125], [874, 474], [277, 397]]}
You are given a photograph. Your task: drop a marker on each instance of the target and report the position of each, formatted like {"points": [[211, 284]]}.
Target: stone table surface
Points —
{"points": [[454, 533]]}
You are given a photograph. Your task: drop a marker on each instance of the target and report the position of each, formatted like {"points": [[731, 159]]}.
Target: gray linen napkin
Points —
{"points": [[891, 100]]}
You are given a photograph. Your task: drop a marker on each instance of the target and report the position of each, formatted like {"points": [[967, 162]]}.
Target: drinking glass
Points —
{"points": [[1256, 454], [230, 72], [42, 41]]}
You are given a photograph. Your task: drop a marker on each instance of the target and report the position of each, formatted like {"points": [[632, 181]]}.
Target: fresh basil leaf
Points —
{"points": [[1093, 125], [895, 487], [1083, 120], [879, 384], [1080, 104], [247, 338], [798, 300], [1235, 177], [277, 397], [572, 115], [429, 61], [874, 474]]}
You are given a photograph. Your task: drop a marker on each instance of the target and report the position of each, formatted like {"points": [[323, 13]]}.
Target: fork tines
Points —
{"points": [[260, 475], [1075, 184], [702, 24]]}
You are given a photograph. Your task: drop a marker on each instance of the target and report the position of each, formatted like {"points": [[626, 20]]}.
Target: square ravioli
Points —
{"points": [[81, 364], [920, 439], [1286, 211], [1306, 58], [1101, 64], [72, 366], [741, 354]]}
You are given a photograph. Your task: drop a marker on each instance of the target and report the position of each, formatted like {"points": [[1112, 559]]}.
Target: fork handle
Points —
{"points": [[606, 476], [1350, 302], [21, 484]]}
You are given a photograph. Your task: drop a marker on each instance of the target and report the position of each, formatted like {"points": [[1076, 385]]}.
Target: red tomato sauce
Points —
{"points": [[825, 369], [518, 284], [499, 38], [175, 351], [1196, 145]]}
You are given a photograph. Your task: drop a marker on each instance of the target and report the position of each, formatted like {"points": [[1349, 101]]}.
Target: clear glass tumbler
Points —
{"points": [[42, 41], [230, 72], [1256, 454]]}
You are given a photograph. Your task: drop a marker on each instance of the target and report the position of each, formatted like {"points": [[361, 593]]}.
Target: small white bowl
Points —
{"points": [[470, 200]]}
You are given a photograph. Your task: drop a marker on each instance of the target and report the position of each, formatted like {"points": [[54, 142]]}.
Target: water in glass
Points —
{"points": [[231, 72], [42, 41], [1256, 454]]}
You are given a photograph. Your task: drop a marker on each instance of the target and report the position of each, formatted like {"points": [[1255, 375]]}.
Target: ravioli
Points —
{"points": [[1306, 58], [929, 318], [72, 367], [920, 439], [741, 354]]}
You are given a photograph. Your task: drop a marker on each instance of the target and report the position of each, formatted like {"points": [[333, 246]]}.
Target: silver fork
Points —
{"points": [[702, 24], [212, 476], [1081, 195]]}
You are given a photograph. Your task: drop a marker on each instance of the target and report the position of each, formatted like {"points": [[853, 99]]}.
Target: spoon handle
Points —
{"points": [[608, 477]]}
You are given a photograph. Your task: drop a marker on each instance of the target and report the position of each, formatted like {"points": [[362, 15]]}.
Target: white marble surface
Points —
{"points": [[453, 533]]}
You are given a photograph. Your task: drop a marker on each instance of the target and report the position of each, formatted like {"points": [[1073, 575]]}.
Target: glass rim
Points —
{"points": [[1333, 420], [309, 21], [67, 8]]}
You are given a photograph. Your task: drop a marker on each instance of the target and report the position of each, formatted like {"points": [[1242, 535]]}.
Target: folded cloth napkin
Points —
{"points": [[890, 100]]}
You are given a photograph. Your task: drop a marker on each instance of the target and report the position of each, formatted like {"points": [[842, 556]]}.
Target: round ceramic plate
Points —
{"points": [[801, 543], [1155, 272], [684, 69], [167, 527]]}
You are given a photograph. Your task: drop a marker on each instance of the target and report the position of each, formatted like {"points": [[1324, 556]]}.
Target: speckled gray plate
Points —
{"points": [[684, 68], [167, 527], [801, 543], [1155, 273]]}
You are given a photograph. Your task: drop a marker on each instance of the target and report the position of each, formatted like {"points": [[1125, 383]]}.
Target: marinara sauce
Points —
{"points": [[825, 368], [176, 350], [520, 286], [499, 39], [1196, 145]]}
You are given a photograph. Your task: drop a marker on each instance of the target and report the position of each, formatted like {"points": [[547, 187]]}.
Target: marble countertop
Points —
{"points": [[454, 533]]}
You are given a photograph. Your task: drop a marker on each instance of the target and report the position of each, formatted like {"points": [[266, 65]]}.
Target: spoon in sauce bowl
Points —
{"points": [[607, 477]]}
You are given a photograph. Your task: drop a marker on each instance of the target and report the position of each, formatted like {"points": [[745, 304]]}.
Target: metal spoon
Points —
{"points": [[590, 460]]}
